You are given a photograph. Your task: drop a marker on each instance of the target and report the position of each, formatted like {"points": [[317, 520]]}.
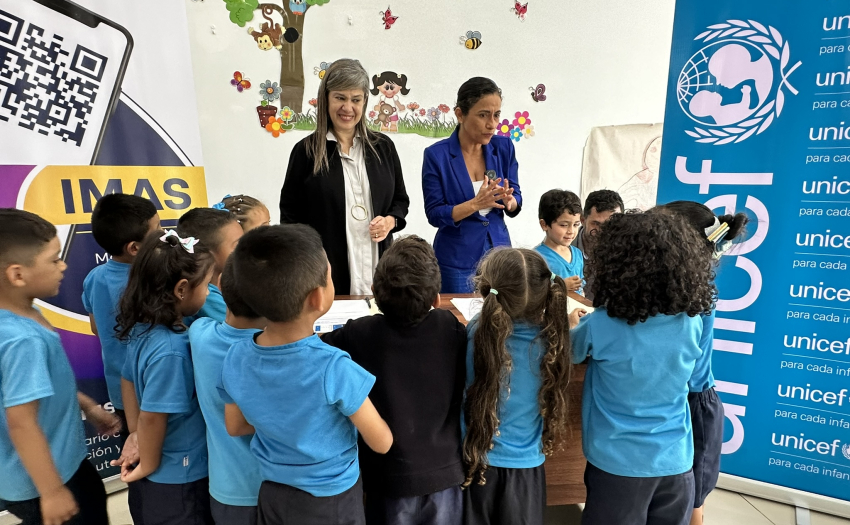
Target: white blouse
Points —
{"points": [[362, 252], [476, 187]]}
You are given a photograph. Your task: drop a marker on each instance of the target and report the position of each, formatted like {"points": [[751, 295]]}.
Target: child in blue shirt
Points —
{"points": [[46, 477], [220, 231], [303, 399], [560, 219], [643, 346], [234, 471], [517, 372], [716, 235], [168, 281]]}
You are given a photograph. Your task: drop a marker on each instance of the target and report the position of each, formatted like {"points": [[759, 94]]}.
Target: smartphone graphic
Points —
{"points": [[61, 68]]}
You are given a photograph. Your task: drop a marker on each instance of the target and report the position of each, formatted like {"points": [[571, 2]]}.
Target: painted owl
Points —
{"points": [[298, 7]]}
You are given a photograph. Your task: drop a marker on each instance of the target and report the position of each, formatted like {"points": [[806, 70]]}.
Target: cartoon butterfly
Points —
{"points": [[538, 93], [240, 83], [520, 9], [388, 18]]}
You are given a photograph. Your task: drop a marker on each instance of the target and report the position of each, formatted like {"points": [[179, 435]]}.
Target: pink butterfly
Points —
{"points": [[388, 18], [520, 9]]}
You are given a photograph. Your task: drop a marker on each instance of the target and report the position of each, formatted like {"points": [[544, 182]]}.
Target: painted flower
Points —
{"points": [[521, 120], [529, 131], [444, 108], [516, 134], [413, 106], [504, 129], [433, 113], [372, 114], [313, 102], [275, 127], [422, 112], [286, 113], [270, 91]]}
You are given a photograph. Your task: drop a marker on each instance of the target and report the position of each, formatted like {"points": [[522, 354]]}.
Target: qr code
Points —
{"points": [[44, 86]]}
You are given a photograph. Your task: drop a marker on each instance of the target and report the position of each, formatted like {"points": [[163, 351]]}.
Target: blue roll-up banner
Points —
{"points": [[758, 120]]}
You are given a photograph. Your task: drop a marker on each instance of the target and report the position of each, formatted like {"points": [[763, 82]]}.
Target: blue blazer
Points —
{"points": [[446, 183]]}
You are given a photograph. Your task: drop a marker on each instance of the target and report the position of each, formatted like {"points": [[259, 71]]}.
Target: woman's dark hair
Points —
{"points": [[701, 217], [391, 77], [645, 264], [473, 90], [149, 296], [526, 292], [407, 281]]}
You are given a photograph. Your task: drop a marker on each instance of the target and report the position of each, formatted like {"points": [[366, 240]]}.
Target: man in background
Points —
{"points": [[598, 207]]}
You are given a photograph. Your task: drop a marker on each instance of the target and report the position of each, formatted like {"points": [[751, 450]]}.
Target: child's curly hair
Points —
{"points": [[647, 264]]}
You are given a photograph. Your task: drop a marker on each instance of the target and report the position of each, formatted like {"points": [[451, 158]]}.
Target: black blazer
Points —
{"points": [[319, 200]]}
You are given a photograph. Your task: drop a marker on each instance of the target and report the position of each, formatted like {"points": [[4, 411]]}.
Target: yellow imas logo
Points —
{"points": [[66, 196]]}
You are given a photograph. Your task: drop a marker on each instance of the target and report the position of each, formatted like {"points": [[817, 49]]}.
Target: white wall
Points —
{"points": [[603, 62]]}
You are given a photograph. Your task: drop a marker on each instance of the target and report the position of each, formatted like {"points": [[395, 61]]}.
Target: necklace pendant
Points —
{"points": [[359, 213]]}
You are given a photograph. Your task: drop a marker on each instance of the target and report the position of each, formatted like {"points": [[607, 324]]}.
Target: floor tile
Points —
{"points": [[824, 519], [116, 505], [777, 513], [730, 508]]}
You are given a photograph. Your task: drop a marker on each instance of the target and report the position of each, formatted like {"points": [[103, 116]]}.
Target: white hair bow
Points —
{"points": [[188, 243]]}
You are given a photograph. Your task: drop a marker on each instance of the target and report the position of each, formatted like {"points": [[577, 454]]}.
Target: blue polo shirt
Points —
{"points": [[635, 416], [299, 398], [214, 307], [559, 266], [520, 440], [102, 291], [33, 366], [159, 365], [234, 471]]}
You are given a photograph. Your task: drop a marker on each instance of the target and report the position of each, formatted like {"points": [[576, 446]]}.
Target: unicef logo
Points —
{"points": [[734, 87], [845, 449]]}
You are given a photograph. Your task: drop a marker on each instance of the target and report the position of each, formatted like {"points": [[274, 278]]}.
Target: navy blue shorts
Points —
{"points": [[86, 487], [707, 421], [511, 496], [175, 504], [621, 500], [444, 507], [281, 504], [232, 514]]}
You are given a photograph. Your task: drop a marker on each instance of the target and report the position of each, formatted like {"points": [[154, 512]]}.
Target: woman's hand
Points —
{"points": [[380, 227], [508, 198], [489, 194]]}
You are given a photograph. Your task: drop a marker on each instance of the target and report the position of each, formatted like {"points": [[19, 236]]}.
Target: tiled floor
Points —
{"points": [[722, 508]]}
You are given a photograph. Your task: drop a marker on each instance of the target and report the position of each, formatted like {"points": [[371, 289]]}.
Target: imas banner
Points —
{"points": [[95, 98], [758, 120]]}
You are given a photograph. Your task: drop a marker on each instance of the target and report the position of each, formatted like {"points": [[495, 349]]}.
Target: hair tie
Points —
{"points": [[721, 248], [494, 291], [552, 278], [716, 231], [220, 205], [188, 243]]}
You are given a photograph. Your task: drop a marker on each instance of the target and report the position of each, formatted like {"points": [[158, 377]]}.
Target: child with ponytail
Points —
{"points": [[518, 368], [167, 282], [716, 234]]}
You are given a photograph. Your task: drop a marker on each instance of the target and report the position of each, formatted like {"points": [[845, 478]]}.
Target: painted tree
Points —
{"points": [[285, 36]]}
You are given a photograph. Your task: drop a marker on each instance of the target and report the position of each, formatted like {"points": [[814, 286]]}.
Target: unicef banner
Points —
{"points": [[89, 106], [758, 120]]}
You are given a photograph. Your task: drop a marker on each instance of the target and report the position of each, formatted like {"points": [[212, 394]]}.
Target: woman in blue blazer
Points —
{"points": [[470, 183]]}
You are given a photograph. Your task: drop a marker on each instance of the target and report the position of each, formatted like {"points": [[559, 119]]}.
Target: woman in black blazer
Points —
{"points": [[346, 181]]}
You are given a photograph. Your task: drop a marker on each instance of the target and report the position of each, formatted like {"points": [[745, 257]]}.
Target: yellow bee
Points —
{"points": [[472, 40], [321, 69]]}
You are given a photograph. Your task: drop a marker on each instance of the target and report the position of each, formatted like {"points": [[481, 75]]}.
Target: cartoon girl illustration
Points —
{"points": [[390, 85]]}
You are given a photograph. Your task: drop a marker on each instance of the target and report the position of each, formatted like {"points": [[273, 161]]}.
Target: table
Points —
{"points": [[564, 469]]}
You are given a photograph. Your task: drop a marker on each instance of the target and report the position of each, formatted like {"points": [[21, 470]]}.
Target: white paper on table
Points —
{"points": [[572, 304], [341, 312], [468, 308]]}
